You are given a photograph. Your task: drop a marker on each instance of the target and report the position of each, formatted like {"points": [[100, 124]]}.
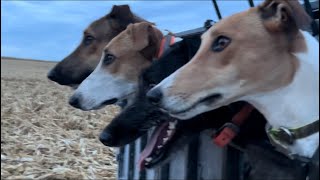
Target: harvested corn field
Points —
{"points": [[42, 137]]}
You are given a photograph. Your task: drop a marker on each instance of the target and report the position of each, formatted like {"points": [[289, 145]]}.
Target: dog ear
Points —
{"points": [[154, 37], [284, 15], [146, 39], [122, 14]]}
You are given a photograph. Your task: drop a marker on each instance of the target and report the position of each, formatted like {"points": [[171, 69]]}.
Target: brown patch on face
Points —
{"points": [[134, 49], [258, 59], [283, 14], [82, 61]]}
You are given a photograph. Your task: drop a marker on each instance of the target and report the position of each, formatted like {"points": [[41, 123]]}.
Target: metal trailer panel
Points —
{"points": [[210, 159], [201, 159]]}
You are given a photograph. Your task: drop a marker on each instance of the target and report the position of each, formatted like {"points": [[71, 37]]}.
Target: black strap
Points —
{"points": [[288, 136], [306, 130]]}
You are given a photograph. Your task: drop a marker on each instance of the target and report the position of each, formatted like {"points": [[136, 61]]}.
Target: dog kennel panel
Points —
{"points": [[210, 158], [152, 174], [178, 165], [211, 162], [137, 144], [123, 161]]}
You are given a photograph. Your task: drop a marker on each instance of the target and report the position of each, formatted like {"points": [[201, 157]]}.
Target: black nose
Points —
{"points": [[75, 101], [154, 96], [52, 75], [105, 138], [57, 75]]}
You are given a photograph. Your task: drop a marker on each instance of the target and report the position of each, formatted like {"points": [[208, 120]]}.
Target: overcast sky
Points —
{"points": [[50, 30]]}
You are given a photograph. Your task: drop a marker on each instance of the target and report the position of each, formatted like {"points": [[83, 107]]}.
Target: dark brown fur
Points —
{"points": [[73, 69]]}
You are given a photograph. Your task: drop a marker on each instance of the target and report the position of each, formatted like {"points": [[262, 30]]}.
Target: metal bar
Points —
{"points": [[164, 174], [120, 162], [232, 170], [215, 4], [192, 167], [132, 149], [251, 3], [143, 143], [192, 32]]}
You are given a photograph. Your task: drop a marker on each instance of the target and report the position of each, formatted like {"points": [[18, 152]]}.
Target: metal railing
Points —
{"points": [[312, 8]]}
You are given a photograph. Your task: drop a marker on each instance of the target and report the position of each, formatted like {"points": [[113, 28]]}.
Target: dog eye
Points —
{"points": [[88, 40], [108, 59], [220, 43]]}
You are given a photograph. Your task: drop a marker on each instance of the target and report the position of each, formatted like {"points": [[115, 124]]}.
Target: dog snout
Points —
{"points": [[53, 75], [75, 100], [155, 96], [57, 75], [106, 138]]}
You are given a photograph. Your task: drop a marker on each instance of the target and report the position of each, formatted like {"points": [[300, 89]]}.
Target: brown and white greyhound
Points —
{"points": [[260, 56], [73, 69], [116, 76]]}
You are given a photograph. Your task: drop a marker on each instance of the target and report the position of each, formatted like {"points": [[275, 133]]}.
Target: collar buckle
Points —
{"points": [[285, 135], [282, 134]]}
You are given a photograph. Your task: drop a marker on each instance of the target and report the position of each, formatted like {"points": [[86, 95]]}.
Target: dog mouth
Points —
{"points": [[154, 151], [207, 100], [122, 102], [107, 102], [104, 103], [110, 101]]}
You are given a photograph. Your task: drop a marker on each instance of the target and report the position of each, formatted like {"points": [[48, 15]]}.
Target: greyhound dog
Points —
{"points": [[171, 135], [73, 69], [260, 56], [116, 76]]}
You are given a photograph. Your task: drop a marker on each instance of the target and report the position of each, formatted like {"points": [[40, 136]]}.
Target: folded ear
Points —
{"points": [[154, 36], [122, 14], [146, 39], [284, 15]]}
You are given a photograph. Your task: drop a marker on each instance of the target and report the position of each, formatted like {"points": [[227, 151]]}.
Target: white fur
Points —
{"points": [[292, 106], [100, 86], [297, 104], [176, 103]]}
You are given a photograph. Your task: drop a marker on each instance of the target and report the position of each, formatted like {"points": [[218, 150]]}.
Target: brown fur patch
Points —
{"points": [[257, 59], [290, 8], [129, 48], [82, 61]]}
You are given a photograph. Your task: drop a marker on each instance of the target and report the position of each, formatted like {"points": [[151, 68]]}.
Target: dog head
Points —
{"points": [[169, 135], [141, 115], [73, 69], [247, 53], [116, 76]]}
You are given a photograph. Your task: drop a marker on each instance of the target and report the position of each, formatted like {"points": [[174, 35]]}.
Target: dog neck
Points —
{"points": [[297, 104]]}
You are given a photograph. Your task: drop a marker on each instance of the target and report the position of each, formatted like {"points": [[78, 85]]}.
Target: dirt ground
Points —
{"points": [[42, 137]]}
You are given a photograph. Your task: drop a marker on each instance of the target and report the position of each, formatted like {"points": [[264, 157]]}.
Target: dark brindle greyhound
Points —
{"points": [[171, 135], [73, 69]]}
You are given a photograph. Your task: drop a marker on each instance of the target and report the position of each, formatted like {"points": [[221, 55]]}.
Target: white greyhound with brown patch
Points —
{"points": [[260, 56], [116, 76]]}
